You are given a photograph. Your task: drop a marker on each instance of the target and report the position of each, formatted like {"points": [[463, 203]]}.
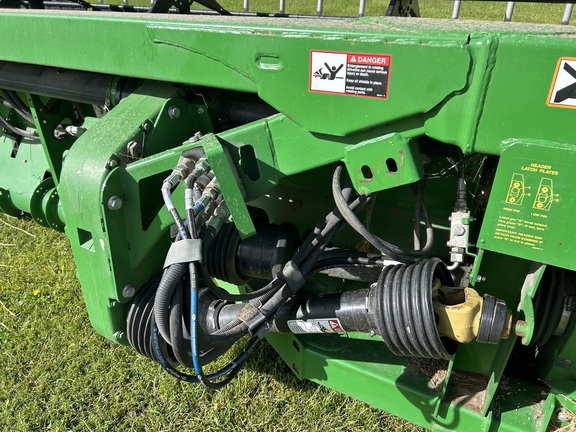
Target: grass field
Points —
{"points": [[485, 10], [57, 374]]}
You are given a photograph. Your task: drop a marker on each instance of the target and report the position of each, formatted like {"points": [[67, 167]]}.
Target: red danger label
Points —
{"points": [[335, 325], [382, 60], [354, 74]]}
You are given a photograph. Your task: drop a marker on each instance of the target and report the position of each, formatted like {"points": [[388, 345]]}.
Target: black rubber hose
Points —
{"points": [[17, 131], [170, 279], [393, 251], [179, 344], [19, 106], [420, 212], [306, 258], [548, 305], [277, 292], [11, 104]]}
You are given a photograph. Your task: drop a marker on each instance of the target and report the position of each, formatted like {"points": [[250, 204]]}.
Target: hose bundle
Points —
{"points": [[165, 326]]}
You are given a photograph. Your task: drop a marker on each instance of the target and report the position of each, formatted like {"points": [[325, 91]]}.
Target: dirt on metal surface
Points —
{"points": [[467, 389], [434, 370]]}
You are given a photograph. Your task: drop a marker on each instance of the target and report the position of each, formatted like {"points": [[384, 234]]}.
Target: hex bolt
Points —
{"points": [[195, 138], [173, 112], [134, 149], [146, 127], [458, 230], [128, 291], [112, 163], [115, 203], [200, 111], [480, 278]]}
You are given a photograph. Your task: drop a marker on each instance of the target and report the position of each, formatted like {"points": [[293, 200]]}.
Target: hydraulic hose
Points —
{"points": [[170, 279], [15, 130], [393, 251], [177, 340], [278, 292]]}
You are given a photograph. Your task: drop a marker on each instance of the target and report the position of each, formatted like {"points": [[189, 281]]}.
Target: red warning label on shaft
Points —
{"points": [[352, 74]]}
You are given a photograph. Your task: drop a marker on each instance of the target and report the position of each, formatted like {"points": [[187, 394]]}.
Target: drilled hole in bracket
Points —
{"points": [[391, 165], [367, 172]]}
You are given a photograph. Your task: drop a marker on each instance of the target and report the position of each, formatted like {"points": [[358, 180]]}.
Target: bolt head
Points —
{"points": [[459, 230], [134, 149], [112, 163], [200, 111], [173, 112], [115, 203], [146, 126], [128, 291]]}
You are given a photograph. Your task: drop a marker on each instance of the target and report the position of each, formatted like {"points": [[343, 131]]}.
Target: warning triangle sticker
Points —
{"points": [[563, 89], [353, 59]]}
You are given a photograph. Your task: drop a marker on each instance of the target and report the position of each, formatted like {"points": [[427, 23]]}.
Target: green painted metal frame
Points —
{"points": [[463, 84]]}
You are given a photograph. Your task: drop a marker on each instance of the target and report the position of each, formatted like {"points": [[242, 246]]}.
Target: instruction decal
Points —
{"points": [[563, 90], [524, 217], [353, 74]]}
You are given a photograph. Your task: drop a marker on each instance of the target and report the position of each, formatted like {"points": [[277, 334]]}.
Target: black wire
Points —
{"points": [[20, 107], [278, 292], [21, 132], [10, 104], [386, 248]]}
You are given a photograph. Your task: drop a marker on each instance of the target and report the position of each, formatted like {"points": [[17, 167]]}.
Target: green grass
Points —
{"points": [[477, 10], [483, 10], [57, 374]]}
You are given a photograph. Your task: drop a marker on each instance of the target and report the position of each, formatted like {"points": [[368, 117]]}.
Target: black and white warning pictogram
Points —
{"points": [[352, 74], [563, 90]]}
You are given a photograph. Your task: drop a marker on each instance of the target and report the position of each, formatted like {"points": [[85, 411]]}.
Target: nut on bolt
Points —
{"points": [[146, 127], [115, 203], [173, 112], [112, 163], [128, 291], [195, 138]]}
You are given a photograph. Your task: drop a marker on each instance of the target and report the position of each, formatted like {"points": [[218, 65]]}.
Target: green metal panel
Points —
{"points": [[445, 100], [532, 205]]}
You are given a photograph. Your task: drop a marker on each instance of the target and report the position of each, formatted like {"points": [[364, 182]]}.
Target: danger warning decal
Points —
{"points": [[563, 89], [352, 74]]}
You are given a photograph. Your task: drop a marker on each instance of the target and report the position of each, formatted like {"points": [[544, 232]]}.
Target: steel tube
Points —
{"points": [[78, 86], [349, 308]]}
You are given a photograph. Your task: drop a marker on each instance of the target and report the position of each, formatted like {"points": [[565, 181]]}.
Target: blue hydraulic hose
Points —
{"points": [[194, 329]]}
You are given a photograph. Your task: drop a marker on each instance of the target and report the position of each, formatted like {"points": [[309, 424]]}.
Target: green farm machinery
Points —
{"points": [[385, 200]]}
